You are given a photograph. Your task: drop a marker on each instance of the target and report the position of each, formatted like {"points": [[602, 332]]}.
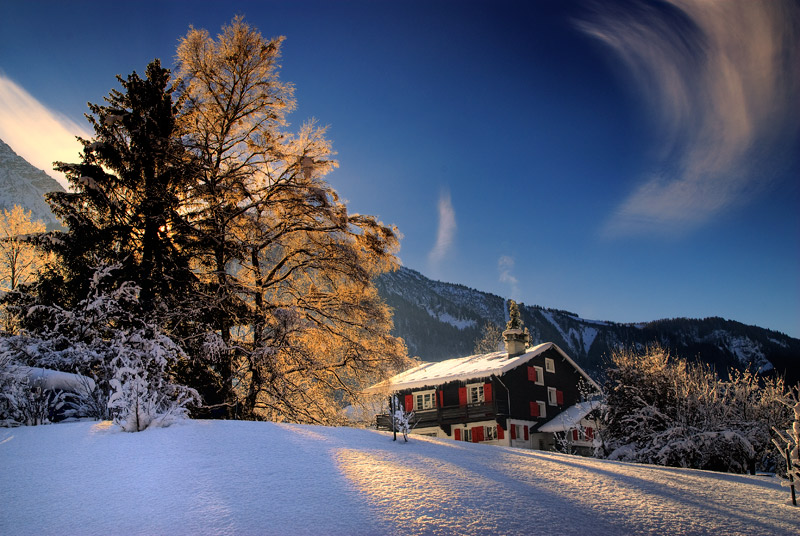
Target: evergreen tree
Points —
{"points": [[125, 205]]}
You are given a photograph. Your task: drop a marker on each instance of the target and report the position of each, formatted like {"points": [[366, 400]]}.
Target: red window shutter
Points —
{"points": [[487, 392], [409, 403], [500, 432], [526, 432], [560, 397], [441, 399], [462, 396], [589, 433], [532, 374], [575, 434], [534, 409], [477, 434], [513, 429], [457, 434]]}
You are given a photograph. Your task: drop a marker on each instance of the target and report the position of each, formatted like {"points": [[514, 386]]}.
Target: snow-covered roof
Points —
{"points": [[466, 368], [569, 418]]}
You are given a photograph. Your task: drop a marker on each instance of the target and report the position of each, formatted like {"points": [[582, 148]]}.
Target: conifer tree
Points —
{"points": [[125, 205]]}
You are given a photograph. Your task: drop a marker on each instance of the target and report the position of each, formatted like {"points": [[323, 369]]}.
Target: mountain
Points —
{"points": [[442, 320], [24, 185]]}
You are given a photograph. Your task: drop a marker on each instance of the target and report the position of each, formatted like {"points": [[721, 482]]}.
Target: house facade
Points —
{"points": [[500, 398]]}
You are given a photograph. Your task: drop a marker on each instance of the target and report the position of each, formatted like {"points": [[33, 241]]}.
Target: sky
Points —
{"points": [[625, 161]]}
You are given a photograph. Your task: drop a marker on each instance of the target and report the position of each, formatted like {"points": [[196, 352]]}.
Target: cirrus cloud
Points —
{"points": [[721, 81], [37, 134], [446, 231]]}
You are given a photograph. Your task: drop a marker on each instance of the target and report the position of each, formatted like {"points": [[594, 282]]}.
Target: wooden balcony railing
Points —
{"points": [[449, 415]]}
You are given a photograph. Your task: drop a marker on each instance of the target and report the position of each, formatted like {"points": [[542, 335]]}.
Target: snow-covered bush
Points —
{"points": [[129, 358], [666, 411], [24, 398], [142, 395]]}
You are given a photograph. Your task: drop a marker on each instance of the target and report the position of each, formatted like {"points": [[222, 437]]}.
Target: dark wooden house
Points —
{"points": [[501, 397]]}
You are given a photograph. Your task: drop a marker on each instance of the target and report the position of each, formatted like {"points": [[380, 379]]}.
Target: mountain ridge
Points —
{"points": [[443, 320], [23, 184]]}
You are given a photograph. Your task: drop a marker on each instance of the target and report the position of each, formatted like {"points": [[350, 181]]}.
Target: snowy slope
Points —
{"points": [[227, 477], [24, 185]]}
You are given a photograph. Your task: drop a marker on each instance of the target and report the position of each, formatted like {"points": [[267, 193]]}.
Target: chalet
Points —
{"points": [[502, 397]]}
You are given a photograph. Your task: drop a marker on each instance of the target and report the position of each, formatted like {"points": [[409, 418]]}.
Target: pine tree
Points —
{"points": [[125, 205]]}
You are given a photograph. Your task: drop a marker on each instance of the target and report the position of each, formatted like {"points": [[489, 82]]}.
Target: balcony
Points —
{"points": [[447, 416]]}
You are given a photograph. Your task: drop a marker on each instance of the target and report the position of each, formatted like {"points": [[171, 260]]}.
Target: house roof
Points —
{"points": [[467, 368], [569, 418]]}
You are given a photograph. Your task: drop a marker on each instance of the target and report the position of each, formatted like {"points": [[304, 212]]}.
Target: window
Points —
{"points": [[552, 396], [542, 409], [475, 394], [425, 400], [467, 435], [539, 375], [549, 365], [490, 433]]}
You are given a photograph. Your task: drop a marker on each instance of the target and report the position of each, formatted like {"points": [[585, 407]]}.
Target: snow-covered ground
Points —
{"points": [[227, 477]]}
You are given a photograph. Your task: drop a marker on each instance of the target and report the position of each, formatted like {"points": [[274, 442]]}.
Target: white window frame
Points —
{"points": [[552, 396], [542, 409], [419, 400], [539, 375], [490, 433], [480, 395], [549, 365], [466, 435]]}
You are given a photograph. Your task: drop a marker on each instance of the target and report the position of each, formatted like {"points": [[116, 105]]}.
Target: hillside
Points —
{"points": [[232, 477], [441, 320], [24, 185]]}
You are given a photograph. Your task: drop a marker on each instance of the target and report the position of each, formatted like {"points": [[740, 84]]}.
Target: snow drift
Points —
{"points": [[228, 477]]}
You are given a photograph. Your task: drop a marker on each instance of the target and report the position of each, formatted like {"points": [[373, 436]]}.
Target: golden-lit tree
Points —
{"points": [[20, 260], [288, 270]]}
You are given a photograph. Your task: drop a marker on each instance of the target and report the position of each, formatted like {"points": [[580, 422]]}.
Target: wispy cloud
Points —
{"points": [[505, 266], [34, 132], [722, 81], [446, 232]]}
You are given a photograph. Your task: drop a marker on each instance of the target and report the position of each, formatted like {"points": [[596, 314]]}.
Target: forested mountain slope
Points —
{"points": [[442, 320]]}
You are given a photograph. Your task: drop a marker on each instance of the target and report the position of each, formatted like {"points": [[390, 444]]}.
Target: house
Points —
{"points": [[502, 397]]}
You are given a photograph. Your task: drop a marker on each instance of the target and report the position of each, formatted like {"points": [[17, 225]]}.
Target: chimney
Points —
{"points": [[515, 335], [516, 341]]}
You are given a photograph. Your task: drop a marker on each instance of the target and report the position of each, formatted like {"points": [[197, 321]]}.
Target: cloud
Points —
{"points": [[446, 231], [37, 134], [505, 266], [721, 80]]}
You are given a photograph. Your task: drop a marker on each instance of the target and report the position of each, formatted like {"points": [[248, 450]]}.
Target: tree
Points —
{"points": [[104, 337], [288, 271], [20, 259], [125, 205], [666, 411], [491, 339]]}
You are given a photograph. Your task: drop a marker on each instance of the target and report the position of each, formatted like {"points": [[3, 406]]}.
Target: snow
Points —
{"points": [[58, 381], [447, 318], [467, 368], [569, 418], [229, 477]]}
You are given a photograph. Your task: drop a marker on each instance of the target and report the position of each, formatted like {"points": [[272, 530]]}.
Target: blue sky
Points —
{"points": [[625, 161]]}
